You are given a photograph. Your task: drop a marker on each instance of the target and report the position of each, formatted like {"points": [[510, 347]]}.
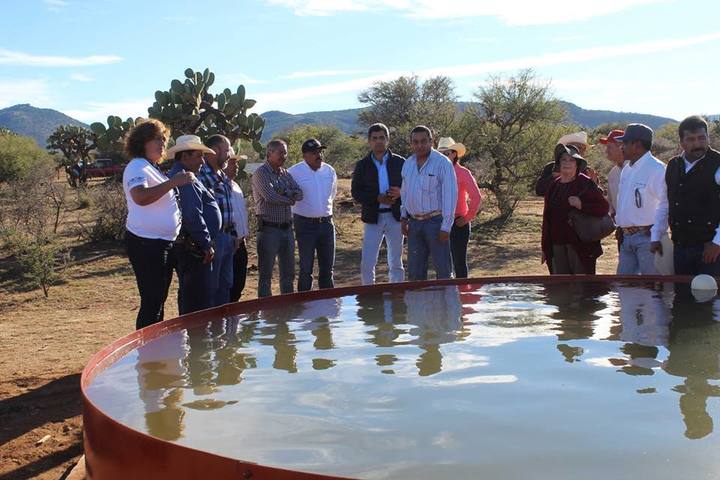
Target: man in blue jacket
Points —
{"points": [[376, 183], [201, 222]]}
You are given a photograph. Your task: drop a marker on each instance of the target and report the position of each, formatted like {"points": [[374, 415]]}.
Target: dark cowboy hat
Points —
{"points": [[573, 152]]}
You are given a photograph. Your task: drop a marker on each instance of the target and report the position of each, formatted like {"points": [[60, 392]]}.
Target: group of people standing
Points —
{"points": [[644, 197], [194, 220]]}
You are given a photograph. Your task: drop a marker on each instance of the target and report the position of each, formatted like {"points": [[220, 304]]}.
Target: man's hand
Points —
{"points": [[711, 251], [404, 226], [238, 242], [394, 193], [575, 202], [443, 236], [461, 222], [209, 254], [656, 247], [385, 199], [182, 178]]}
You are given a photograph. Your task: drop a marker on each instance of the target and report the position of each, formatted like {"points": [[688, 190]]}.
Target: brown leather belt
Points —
{"points": [[633, 230], [425, 216]]}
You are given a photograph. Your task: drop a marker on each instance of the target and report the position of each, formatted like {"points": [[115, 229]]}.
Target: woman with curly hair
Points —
{"points": [[153, 220]]}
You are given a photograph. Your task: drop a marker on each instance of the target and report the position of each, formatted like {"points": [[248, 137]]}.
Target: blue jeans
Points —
{"points": [[221, 278], [315, 237], [193, 280], [423, 244], [275, 242], [688, 261], [635, 255]]}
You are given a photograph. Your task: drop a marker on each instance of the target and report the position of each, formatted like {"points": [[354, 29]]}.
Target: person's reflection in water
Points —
{"points": [[317, 316], [199, 360], [160, 375], [231, 361], [435, 311], [383, 312], [275, 332], [645, 317], [577, 305], [694, 345]]}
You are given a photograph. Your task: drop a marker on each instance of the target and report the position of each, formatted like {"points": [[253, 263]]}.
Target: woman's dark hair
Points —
{"points": [[141, 134]]}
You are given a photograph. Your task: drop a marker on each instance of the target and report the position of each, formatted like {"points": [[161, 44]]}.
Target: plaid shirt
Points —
{"points": [[274, 193], [220, 187]]}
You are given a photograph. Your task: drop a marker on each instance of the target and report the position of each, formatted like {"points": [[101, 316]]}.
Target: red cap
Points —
{"points": [[612, 136]]}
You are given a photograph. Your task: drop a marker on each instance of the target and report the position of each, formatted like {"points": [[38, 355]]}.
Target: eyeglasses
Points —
{"points": [[638, 198]]}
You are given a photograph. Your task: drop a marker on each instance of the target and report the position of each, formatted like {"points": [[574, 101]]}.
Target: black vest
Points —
{"points": [[694, 199]]}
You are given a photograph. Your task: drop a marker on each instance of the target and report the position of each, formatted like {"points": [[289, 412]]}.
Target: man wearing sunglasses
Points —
{"points": [[693, 185], [641, 192]]}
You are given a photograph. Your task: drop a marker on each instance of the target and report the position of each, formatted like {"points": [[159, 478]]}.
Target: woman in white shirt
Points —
{"points": [[240, 220], [153, 220]]}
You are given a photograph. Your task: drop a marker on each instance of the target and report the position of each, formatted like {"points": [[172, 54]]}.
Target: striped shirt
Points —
{"points": [[221, 188], [274, 193], [432, 187]]}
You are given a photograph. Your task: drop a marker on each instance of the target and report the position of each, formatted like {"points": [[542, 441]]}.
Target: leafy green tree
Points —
{"points": [[512, 131], [188, 107], [74, 143], [342, 152], [403, 103], [19, 155]]}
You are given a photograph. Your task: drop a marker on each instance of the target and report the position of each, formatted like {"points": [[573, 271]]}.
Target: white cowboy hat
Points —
{"points": [[447, 143], [580, 138], [187, 142]]}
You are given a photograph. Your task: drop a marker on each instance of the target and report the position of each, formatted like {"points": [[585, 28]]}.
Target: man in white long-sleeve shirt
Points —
{"points": [[642, 191], [429, 196], [312, 216]]}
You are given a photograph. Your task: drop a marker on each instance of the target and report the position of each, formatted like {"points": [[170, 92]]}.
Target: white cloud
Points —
{"points": [[279, 100], [323, 73], [55, 5], [33, 91], [99, 111], [10, 57], [511, 12], [81, 77], [236, 79]]}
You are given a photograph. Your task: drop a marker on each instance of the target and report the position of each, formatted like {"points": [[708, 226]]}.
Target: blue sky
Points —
{"points": [[92, 58]]}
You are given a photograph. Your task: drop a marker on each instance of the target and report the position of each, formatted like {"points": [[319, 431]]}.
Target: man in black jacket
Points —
{"points": [[693, 189], [376, 183]]}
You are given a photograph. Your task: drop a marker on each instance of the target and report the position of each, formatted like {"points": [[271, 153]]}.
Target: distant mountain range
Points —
{"points": [[39, 123]]}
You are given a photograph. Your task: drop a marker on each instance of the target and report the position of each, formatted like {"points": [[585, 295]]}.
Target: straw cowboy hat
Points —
{"points": [[447, 143], [581, 138], [187, 142]]}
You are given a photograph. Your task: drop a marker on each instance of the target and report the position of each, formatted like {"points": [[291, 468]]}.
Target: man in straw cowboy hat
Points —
{"points": [[468, 205], [429, 197], [201, 222], [579, 140], [376, 182]]}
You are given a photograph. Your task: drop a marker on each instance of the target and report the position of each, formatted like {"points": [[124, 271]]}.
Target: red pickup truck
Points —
{"points": [[101, 167]]}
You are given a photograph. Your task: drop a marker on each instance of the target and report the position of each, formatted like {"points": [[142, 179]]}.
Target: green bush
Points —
{"points": [[110, 212], [42, 260], [21, 158]]}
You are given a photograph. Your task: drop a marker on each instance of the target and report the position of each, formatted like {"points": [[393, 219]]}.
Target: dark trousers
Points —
{"points": [[240, 261], [194, 278], [153, 261], [688, 261], [315, 237], [459, 238]]}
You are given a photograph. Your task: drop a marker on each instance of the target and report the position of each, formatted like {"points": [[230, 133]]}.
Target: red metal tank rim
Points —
{"points": [[115, 451]]}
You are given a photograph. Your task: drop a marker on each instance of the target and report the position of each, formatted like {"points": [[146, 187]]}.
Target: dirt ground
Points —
{"points": [[45, 342]]}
